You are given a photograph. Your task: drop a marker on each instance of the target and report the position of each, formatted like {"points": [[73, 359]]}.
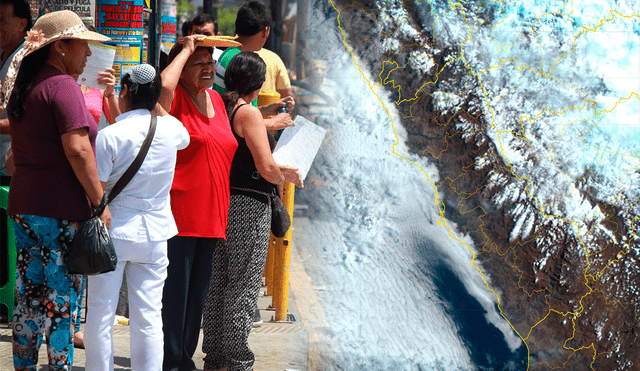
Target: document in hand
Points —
{"points": [[298, 145], [100, 59]]}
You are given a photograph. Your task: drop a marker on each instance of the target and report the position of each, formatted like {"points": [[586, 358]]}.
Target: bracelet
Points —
{"points": [[108, 95], [98, 210], [281, 179]]}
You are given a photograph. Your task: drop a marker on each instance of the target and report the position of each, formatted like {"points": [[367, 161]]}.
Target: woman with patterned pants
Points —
{"points": [[54, 186], [238, 262]]}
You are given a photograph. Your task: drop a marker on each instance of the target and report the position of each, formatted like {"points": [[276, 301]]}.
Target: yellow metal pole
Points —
{"points": [[268, 269], [265, 98], [283, 260]]}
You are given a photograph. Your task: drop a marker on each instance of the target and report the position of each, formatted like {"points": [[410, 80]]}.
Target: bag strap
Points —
{"points": [[135, 165], [254, 191], [233, 114], [268, 195]]}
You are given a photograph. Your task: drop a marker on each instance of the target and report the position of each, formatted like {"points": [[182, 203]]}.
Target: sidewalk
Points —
{"points": [[277, 346]]}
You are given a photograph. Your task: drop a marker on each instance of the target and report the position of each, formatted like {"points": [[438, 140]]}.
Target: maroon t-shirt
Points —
{"points": [[44, 183]]}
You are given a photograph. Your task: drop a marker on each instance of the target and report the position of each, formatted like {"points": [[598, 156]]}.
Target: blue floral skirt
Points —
{"points": [[46, 294]]}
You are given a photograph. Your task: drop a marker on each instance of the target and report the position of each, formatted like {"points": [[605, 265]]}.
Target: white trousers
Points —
{"points": [[145, 266]]}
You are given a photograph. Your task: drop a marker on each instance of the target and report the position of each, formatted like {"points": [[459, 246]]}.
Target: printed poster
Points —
{"points": [[83, 8], [168, 17], [122, 21]]}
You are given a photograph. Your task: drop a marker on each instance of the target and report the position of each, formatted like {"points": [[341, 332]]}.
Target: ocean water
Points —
{"points": [[558, 87], [397, 287]]}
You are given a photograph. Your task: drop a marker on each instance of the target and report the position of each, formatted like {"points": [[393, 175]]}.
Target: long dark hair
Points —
{"points": [[29, 69], [244, 75]]}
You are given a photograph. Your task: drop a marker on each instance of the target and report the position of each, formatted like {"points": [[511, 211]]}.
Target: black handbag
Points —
{"points": [[280, 220], [91, 251]]}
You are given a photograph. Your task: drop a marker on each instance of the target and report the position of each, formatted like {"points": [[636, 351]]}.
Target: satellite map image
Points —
{"points": [[475, 203]]}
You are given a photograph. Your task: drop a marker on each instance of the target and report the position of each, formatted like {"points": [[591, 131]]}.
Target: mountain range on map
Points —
{"points": [[498, 216]]}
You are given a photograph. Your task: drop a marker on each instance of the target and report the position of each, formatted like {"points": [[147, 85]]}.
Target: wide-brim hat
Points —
{"points": [[49, 28], [63, 24]]}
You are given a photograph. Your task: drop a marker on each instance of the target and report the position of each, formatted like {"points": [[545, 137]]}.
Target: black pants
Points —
{"points": [[185, 290]]}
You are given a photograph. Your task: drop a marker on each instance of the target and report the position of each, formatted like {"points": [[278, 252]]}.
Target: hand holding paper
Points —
{"points": [[291, 175], [100, 60], [298, 145], [108, 79]]}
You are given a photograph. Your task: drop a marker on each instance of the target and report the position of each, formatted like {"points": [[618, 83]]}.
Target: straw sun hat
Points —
{"points": [[63, 24], [49, 28]]}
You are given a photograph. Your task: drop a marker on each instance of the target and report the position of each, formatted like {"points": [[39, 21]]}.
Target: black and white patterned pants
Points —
{"points": [[238, 265]]}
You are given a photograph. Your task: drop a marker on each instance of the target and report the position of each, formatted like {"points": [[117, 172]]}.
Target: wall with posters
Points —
{"points": [[122, 21]]}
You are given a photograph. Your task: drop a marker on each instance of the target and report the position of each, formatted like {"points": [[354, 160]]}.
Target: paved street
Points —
{"points": [[277, 346]]}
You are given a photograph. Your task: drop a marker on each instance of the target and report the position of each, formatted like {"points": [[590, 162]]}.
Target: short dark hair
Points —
{"points": [[22, 10], [147, 95], [252, 18], [177, 48], [204, 18], [186, 28]]}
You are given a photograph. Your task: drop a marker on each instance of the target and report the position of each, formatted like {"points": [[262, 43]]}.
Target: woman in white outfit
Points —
{"points": [[141, 224]]}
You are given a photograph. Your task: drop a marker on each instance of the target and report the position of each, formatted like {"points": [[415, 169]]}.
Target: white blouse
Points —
{"points": [[142, 211]]}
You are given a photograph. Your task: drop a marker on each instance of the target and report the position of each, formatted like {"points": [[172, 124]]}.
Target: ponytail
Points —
{"points": [[244, 75], [230, 99]]}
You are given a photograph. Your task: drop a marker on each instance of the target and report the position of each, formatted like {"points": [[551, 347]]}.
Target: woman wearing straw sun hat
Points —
{"points": [[55, 184]]}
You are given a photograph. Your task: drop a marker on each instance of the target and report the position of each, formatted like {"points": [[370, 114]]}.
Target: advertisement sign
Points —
{"points": [[84, 8], [169, 25], [122, 21]]}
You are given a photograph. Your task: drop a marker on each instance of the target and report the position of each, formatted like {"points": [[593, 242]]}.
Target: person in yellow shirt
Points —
{"points": [[277, 78]]}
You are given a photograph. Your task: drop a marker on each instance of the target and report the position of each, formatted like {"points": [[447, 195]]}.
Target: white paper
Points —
{"points": [[298, 145], [100, 59]]}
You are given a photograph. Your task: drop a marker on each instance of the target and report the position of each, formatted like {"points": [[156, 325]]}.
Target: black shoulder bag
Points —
{"points": [[91, 252]]}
